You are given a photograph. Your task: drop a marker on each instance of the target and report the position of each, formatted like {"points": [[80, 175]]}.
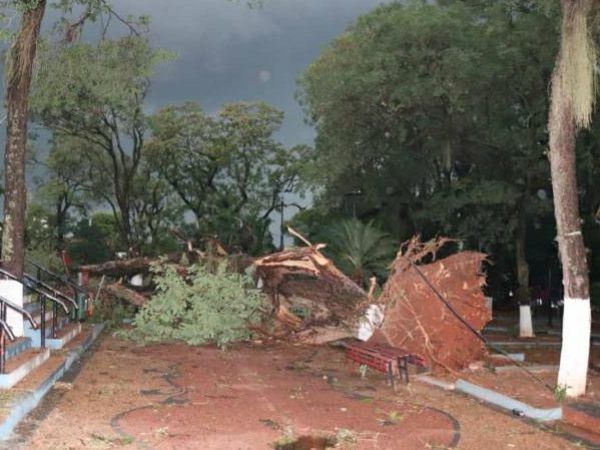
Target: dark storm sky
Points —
{"points": [[228, 52]]}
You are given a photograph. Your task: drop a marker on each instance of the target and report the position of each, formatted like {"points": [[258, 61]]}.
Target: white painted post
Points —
{"points": [[525, 322], [12, 291]]}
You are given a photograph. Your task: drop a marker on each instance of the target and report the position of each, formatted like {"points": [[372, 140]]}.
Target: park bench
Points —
{"points": [[383, 358]]}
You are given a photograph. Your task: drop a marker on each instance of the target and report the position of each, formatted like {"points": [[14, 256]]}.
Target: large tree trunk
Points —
{"points": [[523, 295], [18, 76], [577, 313]]}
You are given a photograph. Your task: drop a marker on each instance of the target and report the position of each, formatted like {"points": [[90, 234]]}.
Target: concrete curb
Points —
{"points": [[23, 405], [509, 356], [445, 385], [535, 368], [508, 403], [495, 398], [594, 342]]}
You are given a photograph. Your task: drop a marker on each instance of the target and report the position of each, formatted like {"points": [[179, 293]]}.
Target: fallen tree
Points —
{"points": [[128, 267], [309, 293], [125, 294], [417, 319]]}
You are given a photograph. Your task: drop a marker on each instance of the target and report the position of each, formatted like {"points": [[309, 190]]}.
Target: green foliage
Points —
{"points": [[414, 98], [39, 227], [199, 308], [560, 393], [46, 258], [360, 250], [112, 313], [91, 96], [95, 240], [227, 169], [431, 118], [78, 84]]}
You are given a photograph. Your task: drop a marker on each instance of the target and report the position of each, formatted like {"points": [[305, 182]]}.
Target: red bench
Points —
{"points": [[384, 358]]}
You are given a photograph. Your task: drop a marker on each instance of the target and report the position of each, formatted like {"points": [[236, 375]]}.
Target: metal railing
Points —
{"points": [[45, 292], [57, 277], [6, 330]]}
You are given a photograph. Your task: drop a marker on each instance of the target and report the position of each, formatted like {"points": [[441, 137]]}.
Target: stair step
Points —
{"points": [[64, 336], [35, 335], [19, 367], [13, 349], [37, 314], [17, 403]]}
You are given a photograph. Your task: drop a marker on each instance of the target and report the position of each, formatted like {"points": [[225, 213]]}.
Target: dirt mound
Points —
{"points": [[418, 320]]}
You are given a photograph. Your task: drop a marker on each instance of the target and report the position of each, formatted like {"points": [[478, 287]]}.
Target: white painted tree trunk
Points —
{"points": [[574, 355], [525, 322]]}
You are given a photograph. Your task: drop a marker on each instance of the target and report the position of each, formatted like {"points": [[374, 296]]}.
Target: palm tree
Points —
{"points": [[359, 249], [572, 100]]}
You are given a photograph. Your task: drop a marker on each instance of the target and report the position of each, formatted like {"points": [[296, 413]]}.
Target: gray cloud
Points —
{"points": [[223, 47]]}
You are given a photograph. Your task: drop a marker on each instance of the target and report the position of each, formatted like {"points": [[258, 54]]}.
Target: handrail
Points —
{"points": [[23, 311], [8, 330], [58, 277], [35, 289], [54, 292]]}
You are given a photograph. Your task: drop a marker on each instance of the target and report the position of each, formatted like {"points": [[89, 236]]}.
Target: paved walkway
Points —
{"points": [[258, 397]]}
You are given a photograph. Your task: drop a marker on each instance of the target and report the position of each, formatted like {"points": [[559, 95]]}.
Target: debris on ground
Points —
{"points": [[132, 277], [123, 293], [415, 317], [310, 296], [137, 265]]}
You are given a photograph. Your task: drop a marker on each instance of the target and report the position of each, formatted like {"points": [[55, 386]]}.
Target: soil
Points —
{"points": [[173, 396], [416, 318]]}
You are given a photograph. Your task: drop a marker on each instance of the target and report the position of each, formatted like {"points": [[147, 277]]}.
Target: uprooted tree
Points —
{"points": [[435, 307]]}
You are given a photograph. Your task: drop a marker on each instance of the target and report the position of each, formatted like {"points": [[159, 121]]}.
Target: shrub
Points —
{"points": [[199, 308]]}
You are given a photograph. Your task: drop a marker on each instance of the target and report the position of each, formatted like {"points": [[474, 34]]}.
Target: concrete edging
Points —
{"points": [[495, 398], [22, 406], [508, 403]]}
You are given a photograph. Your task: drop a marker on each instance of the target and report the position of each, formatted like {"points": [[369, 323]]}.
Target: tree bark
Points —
{"points": [[523, 293], [19, 74], [577, 313]]}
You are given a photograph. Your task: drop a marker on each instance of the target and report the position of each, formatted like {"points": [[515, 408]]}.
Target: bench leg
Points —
{"points": [[403, 369], [390, 374]]}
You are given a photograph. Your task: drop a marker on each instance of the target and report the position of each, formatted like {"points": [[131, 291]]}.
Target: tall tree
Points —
{"points": [[20, 63], [65, 183], [95, 93], [572, 100], [18, 81], [227, 169], [437, 114]]}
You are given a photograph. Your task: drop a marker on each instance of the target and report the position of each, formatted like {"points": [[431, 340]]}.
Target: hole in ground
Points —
{"points": [[308, 443]]}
